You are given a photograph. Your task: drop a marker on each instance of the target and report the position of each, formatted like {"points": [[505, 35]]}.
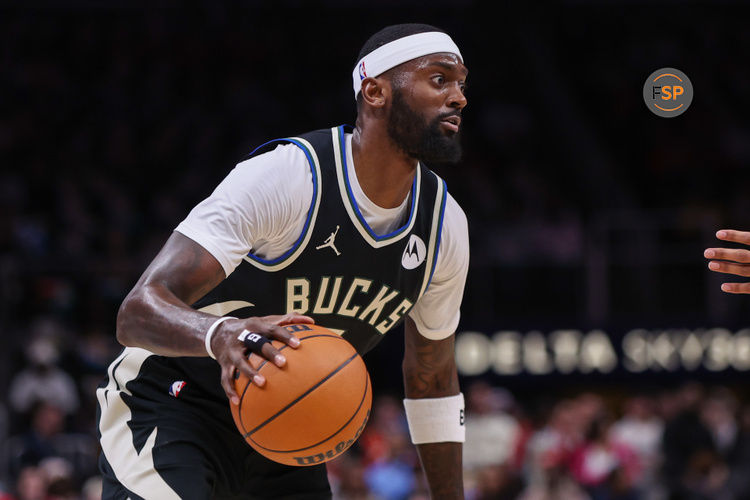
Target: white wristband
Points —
{"points": [[210, 332], [436, 420]]}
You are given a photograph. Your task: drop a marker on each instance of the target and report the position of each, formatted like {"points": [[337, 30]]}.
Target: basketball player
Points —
{"points": [[731, 260], [342, 227]]}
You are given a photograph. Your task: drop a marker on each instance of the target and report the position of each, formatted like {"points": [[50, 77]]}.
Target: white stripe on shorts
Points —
{"points": [[134, 470]]}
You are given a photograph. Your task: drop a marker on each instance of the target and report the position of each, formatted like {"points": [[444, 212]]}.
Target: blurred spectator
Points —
{"points": [[66, 455], [47, 424], [390, 479], [587, 408], [390, 458], [739, 457], [688, 448], [347, 477], [491, 433], [706, 477], [718, 414], [51, 479], [607, 469], [42, 380], [551, 446], [60, 480], [387, 428], [557, 485], [31, 484], [92, 489], [495, 482], [641, 429]]}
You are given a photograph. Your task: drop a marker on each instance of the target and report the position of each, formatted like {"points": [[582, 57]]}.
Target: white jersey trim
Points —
{"points": [[435, 232], [339, 152]]}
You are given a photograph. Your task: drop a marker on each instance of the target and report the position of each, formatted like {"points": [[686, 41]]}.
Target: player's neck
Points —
{"points": [[385, 173]]}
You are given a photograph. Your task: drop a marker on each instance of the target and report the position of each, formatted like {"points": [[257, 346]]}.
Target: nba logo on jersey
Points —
{"points": [[414, 253], [362, 72], [176, 388]]}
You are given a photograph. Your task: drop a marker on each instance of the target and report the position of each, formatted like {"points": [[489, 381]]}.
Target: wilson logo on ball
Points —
{"points": [[328, 455]]}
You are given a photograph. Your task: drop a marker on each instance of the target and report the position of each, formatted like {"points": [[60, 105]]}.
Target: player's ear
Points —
{"points": [[375, 91]]}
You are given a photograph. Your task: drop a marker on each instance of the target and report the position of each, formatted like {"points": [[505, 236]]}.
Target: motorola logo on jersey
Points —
{"points": [[414, 253]]}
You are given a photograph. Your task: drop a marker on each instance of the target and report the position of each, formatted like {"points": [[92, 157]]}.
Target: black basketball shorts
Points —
{"points": [[162, 438]]}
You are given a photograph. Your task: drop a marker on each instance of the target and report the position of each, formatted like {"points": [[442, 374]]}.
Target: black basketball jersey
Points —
{"points": [[339, 272]]}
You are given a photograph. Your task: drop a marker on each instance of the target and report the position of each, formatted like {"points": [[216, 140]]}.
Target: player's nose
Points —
{"points": [[456, 98]]}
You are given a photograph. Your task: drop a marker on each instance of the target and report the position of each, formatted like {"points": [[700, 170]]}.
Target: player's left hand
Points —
{"points": [[731, 260]]}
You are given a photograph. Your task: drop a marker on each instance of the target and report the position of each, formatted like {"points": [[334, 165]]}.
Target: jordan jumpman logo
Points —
{"points": [[329, 242]]}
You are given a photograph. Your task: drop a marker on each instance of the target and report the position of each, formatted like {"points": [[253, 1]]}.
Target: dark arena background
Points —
{"points": [[598, 355]]}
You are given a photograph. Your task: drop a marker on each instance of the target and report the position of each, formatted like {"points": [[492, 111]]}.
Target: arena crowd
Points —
{"points": [[687, 442]]}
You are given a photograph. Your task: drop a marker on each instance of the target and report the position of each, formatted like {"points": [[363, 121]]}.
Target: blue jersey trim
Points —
{"points": [[353, 201], [297, 243]]}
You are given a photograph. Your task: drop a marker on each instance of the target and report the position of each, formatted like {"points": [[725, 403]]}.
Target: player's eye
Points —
{"points": [[439, 80]]}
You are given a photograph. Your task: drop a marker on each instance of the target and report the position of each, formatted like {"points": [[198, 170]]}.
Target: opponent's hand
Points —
{"points": [[731, 260], [230, 351]]}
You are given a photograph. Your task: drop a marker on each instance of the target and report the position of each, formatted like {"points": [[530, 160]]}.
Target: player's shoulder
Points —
{"points": [[455, 222], [283, 157], [453, 214], [280, 173], [289, 155], [454, 210]]}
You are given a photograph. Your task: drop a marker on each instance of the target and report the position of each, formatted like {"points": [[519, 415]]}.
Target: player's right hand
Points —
{"points": [[731, 260], [231, 352]]}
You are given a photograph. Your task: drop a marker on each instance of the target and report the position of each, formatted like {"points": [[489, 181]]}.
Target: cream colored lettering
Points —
{"points": [[346, 309], [328, 308], [297, 295], [375, 309]]}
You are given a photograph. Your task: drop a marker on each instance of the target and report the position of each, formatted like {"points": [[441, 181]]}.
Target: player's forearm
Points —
{"points": [[430, 372], [429, 366], [153, 318], [156, 314], [441, 462], [443, 467]]}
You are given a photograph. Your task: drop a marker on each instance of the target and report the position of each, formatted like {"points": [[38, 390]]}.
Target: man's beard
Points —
{"points": [[424, 141]]}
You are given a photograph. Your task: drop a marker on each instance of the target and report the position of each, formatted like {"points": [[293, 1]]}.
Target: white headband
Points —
{"points": [[399, 51]]}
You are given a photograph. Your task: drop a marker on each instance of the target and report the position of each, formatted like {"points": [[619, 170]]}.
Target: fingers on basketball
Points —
{"points": [[312, 409]]}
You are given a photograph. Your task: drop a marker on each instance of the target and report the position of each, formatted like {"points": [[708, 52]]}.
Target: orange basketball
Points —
{"points": [[313, 408]]}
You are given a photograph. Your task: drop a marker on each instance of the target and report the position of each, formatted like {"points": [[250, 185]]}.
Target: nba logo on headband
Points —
{"points": [[399, 51]]}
